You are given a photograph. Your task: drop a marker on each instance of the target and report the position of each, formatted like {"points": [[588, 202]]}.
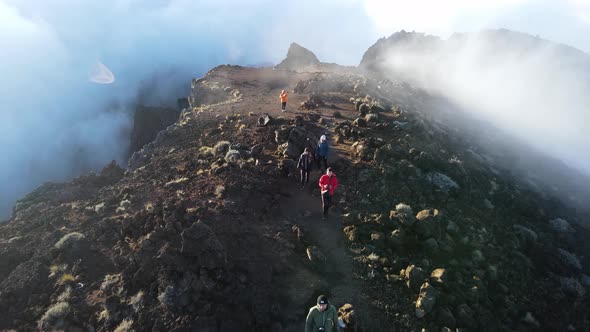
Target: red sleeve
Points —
{"points": [[322, 181]]}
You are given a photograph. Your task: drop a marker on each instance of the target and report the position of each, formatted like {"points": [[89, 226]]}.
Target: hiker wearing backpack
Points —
{"points": [[328, 183], [283, 97], [322, 152], [304, 165]]}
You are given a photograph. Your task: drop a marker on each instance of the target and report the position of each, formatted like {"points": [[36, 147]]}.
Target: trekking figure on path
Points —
{"points": [[283, 97], [328, 183], [304, 165], [322, 317], [322, 152]]}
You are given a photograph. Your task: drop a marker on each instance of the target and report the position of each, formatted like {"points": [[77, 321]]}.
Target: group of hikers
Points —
{"points": [[322, 316], [328, 182]]}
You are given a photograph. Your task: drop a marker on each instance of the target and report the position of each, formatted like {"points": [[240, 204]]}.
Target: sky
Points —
{"points": [[56, 123]]}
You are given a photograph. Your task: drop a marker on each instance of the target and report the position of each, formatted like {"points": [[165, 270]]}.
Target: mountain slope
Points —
{"points": [[206, 229]]}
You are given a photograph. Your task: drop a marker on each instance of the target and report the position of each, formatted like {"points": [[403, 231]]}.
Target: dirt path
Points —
{"points": [[335, 277]]}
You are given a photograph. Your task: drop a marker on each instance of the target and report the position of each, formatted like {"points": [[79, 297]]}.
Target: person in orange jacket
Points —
{"points": [[283, 97], [328, 183]]}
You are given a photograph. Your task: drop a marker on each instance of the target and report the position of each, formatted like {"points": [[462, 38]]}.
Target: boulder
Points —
{"points": [[364, 109], [346, 313], [426, 300], [360, 122], [294, 141], [428, 224], [363, 150], [414, 277], [404, 214], [388, 154], [439, 277], [264, 120], [352, 233]]}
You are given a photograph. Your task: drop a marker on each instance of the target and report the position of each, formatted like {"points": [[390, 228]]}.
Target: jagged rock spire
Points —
{"points": [[298, 58]]}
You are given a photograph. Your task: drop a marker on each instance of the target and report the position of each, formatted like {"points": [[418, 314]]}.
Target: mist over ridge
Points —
{"points": [[532, 88]]}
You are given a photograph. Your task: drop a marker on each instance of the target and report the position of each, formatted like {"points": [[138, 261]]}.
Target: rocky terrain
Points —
{"points": [[206, 228]]}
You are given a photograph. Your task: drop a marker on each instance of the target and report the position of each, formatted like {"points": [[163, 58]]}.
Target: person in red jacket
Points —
{"points": [[328, 183]]}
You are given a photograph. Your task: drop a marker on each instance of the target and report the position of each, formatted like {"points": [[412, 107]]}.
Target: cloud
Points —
{"points": [[530, 88], [435, 17]]}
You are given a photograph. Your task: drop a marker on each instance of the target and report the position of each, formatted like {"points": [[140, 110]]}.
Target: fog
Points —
{"points": [[530, 88]]}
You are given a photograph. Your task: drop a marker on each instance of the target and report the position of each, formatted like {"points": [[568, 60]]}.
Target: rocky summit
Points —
{"points": [[207, 229]]}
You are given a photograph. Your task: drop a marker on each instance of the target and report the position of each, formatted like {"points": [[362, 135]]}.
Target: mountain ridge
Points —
{"points": [[206, 228]]}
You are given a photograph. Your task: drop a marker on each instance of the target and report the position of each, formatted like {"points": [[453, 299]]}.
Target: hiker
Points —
{"points": [[322, 152], [283, 97], [322, 317], [304, 165], [328, 183]]}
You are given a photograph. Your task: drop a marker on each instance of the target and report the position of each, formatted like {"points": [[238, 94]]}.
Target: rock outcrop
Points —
{"points": [[299, 59]]}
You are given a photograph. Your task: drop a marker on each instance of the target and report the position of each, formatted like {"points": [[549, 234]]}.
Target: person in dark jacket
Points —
{"points": [[322, 317], [304, 165], [322, 152], [328, 183]]}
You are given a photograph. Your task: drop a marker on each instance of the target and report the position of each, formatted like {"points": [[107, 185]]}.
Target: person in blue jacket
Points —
{"points": [[322, 153]]}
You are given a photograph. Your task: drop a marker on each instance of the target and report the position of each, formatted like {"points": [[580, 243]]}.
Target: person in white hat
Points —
{"points": [[322, 153]]}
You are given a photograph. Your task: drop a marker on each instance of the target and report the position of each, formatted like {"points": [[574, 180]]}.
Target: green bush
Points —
{"points": [[70, 241]]}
